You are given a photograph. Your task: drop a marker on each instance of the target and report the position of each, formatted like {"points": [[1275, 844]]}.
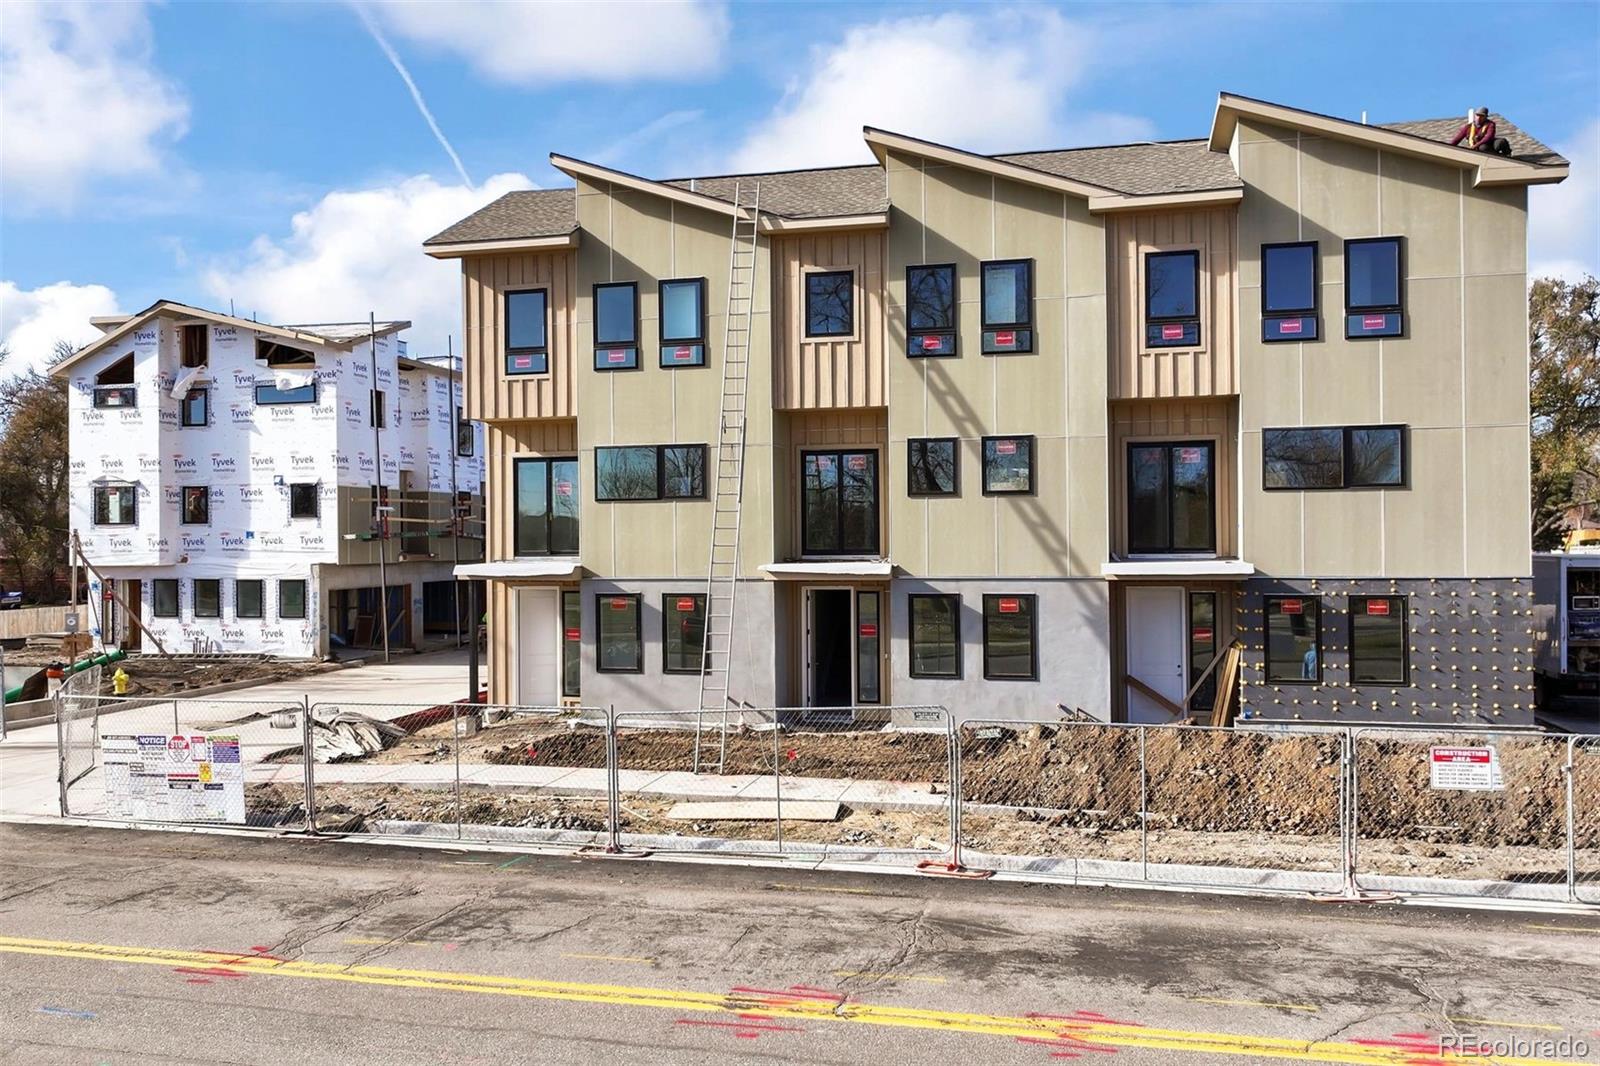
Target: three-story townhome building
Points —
{"points": [[249, 488], [1017, 434]]}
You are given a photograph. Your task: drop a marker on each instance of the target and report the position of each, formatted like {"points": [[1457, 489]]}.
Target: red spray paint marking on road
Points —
{"points": [[209, 971], [745, 1029], [791, 995]]}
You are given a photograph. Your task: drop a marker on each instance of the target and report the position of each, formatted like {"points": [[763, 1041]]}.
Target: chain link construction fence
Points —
{"points": [[1340, 812]]}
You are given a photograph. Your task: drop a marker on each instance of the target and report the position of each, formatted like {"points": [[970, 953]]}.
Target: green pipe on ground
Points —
{"points": [[15, 694]]}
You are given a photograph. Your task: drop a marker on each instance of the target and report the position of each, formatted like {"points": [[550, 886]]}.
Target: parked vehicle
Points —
{"points": [[1566, 588], [10, 599]]}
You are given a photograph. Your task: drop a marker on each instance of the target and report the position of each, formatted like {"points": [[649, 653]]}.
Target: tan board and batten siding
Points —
{"points": [[1214, 420], [1140, 373], [825, 372], [504, 443], [490, 393]]}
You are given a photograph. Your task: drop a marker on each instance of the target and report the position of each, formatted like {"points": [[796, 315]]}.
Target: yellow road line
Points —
{"points": [[764, 1005], [888, 976], [1568, 928], [1507, 1025], [607, 958], [1254, 1003]]}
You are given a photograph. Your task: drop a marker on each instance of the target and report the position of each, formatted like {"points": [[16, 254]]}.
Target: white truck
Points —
{"points": [[1566, 593]]}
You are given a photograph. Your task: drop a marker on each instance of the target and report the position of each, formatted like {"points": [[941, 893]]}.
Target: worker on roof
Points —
{"points": [[1478, 132]]}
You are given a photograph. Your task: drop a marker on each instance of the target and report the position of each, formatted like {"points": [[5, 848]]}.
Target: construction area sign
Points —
{"points": [[160, 777], [1465, 769]]}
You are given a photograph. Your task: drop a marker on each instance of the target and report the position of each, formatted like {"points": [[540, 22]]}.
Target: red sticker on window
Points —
{"points": [[682, 353], [1005, 336], [1172, 333], [1010, 606], [1191, 455], [933, 343], [1289, 325], [619, 603], [1374, 321], [686, 603], [1377, 606], [522, 362], [574, 634], [856, 462], [1201, 633], [617, 357], [1005, 447], [563, 488], [1289, 606], [869, 629]]}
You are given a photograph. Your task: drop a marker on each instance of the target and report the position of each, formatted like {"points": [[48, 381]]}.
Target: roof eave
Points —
{"points": [[459, 249], [577, 168], [865, 221], [1099, 205], [883, 141]]}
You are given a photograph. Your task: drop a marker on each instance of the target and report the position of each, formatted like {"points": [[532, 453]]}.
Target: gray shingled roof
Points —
{"points": [[515, 216], [1523, 147], [1137, 169], [818, 193]]}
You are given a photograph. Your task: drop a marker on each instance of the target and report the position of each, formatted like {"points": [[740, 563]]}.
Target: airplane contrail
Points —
{"points": [[416, 94]]}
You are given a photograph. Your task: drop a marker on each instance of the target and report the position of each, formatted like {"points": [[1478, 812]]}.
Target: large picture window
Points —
{"points": [[683, 322], [571, 644], [931, 310], [1333, 457], [839, 503], [1374, 300], [527, 331], [545, 498], [1006, 292], [1171, 498], [1379, 642], [116, 505], [1007, 466], [683, 632], [932, 466], [616, 326], [935, 625], [1289, 291], [830, 303], [1294, 639], [1010, 638], [1172, 299], [618, 647], [650, 472]]}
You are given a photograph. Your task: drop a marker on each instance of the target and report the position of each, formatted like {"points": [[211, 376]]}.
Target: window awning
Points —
{"points": [[531, 568], [1178, 566], [876, 568]]}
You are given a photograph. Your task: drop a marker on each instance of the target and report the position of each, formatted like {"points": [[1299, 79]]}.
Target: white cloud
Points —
{"points": [[990, 81], [79, 98], [530, 43], [32, 321], [1564, 220], [360, 250]]}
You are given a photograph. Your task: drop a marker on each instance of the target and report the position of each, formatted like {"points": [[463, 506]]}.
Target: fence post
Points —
{"points": [[455, 744], [61, 750], [953, 754], [1144, 811], [777, 778], [613, 785], [176, 731], [1349, 787], [1570, 770], [308, 759]]}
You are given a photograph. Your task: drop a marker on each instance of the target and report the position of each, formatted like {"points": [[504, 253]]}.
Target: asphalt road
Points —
{"points": [[128, 947]]}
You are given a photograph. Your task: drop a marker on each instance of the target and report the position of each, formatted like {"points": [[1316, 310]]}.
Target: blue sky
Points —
{"points": [[271, 154]]}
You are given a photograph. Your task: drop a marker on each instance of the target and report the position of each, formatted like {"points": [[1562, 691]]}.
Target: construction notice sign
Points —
{"points": [[1465, 769], [159, 777]]}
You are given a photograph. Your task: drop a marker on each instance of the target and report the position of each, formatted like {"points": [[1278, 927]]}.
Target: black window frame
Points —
{"points": [[839, 455], [549, 462], [539, 353], [670, 611], [1204, 697], [1195, 319], [850, 325], [194, 596], [1170, 447], [302, 394], [1346, 437], [1033, 634], [204, 494], [465, 445], [875, 655], [986, 327], [238, 597], [316, 501], [1033, 464], [1402, 617], [1270, 317], [377, 409], [100, 492], [911, 635], [630, 346], [102, 394], [638, 631], [955, 466], [305, 596], [947, 339], [203, 394], [172, 584], [661, 472], [697, 343], [571, 641], [1266, 639], [1398, 307]]}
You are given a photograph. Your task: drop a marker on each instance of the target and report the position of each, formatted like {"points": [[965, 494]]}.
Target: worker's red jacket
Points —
{"points": [[1485, 134]]}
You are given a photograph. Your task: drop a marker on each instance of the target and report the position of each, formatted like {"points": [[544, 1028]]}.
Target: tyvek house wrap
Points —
{"points": [[247, 456]]}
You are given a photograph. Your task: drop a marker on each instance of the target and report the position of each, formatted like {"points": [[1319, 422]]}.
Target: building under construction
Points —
{"points": [[238, 487]]}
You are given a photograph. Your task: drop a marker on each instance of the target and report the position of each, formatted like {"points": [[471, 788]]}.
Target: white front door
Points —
{"points": [[1155, 650], [538, 648]]}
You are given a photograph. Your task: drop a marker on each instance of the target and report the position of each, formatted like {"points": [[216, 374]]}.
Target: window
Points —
{"points": [[113, 386], [868, 658], [303, 500], [1010, 644], [1202, 647], [164, 597], [571, 644], [1007, 466], [1172, 299], [207, 597], [195, 408], [1373, 304], [1379, 643], [1294, 639], [931, 467], [1333, 457], [839, 503], [616, 326], [830, 303], [292, 599], [683, 322], [931, 310], [1289, 291], [196, 339], [935, 636], [683, 632], [1007, 295], [618, 648], [249, 595], [116, 505], [545, 499], [1171, 501], [196, 506], [650, 472], [463, 435], [271, 395], [376, 409], [527, 332], [274, 354]]}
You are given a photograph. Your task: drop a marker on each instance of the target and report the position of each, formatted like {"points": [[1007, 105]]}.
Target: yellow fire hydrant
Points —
{"points": [[119, 682]]}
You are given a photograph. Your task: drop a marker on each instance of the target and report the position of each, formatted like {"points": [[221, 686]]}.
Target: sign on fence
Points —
{"points": [[1465, 769], [159, 777]]}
